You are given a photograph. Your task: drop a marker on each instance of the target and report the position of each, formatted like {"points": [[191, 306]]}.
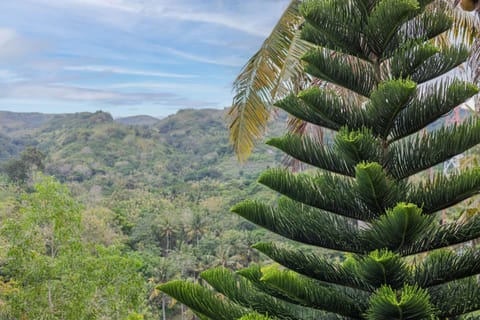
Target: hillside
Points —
{"points": [[163, 189], [15, 124], [140, 120]]}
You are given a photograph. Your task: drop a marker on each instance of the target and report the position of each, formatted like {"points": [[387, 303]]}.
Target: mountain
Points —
{"points": [[176, 154], [15, 124], [140, 120]]}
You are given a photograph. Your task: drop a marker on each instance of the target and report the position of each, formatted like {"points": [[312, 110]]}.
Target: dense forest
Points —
{"points": [[139, 201]]}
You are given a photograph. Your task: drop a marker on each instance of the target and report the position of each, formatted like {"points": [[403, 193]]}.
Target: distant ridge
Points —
{"points": [[20, 123], [140, 120]]}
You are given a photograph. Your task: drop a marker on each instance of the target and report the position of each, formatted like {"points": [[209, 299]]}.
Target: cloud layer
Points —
{"points": [[127, 56]]}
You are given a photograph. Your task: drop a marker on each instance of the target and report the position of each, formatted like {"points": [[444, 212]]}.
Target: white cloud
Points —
{"points": [[7, 76], [230, 62], [190, 87], [77, 94], [126, 71], [224, 20], [126, 6], [14, 47]]}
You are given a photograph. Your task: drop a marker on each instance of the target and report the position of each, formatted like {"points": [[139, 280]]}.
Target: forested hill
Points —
{"points": [[171, 154], [159, 188]]}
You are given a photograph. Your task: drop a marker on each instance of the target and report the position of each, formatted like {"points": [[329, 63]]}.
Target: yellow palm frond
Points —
{"points": [[269, 74]]}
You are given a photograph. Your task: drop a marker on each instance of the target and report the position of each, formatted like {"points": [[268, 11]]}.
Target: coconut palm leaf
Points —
{"points": [[273, 71]]}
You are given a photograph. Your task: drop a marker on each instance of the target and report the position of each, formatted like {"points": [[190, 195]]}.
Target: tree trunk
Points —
{"points": [[164, 316]]}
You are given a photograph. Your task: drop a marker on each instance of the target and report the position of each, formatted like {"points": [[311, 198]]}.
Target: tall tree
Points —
{"points": [[276, 69], [56, 275], [358, 199]]}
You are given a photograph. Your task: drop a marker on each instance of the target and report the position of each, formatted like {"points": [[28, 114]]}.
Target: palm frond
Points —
{"points": [[265, 77]]}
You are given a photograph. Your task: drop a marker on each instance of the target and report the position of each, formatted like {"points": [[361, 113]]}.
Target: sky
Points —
{"points": [[127, 57]]}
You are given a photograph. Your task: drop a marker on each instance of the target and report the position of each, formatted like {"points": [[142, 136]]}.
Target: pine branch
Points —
{"points": [[382, 267], [412, 155], [430, 104], [399, 229], [421, 28], [445, 235], [408, 58], [440, 63], [409, 303], [254, 274], [358, 146], [375, 189], [312, 266], [312, 152], [385, 20], [242, 292], [342, 70], [325, 191], [310, 293], [456, 298], [444, 266], [322, 107], [443, 192], [202, 300], [386, 102], [303, 224], [335, 25]]}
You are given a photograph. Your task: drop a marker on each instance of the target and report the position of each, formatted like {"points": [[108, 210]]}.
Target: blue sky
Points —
{"points": [[127, 57]]}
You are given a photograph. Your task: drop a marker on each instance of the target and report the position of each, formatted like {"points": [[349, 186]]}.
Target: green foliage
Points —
{"points": [[58, 276], [19, 170]]}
